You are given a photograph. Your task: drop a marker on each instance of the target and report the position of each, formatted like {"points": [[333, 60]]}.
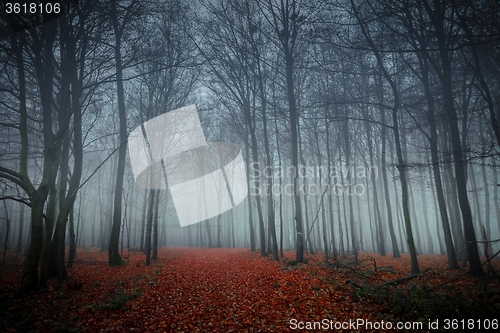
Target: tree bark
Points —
{"points": [[149, 225], [330, 189], [394, 242], [445, 76], [401, 164], [113, 251], [19, 246], [433, 145], [249, 198], [72, 239], [155, 226], [45, 75]]}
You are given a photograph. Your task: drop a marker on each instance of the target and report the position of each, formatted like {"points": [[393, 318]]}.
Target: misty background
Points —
{"points": [[365, 126]]}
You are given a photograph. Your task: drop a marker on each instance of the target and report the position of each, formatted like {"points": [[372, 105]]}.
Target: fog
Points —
{"points": [[361, 127]]}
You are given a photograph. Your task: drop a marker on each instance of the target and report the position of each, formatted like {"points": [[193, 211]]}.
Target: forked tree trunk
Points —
{"points": [[44, 73]]}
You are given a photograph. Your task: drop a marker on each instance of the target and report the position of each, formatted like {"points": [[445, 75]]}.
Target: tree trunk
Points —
{"points": [[350, 168], [155, 226], [487, 204], [114, 240], [44, 73], [394, 242], [434, 200], [401, 165], [269, 179], [256, 184], [72, 239], [249, 197], [29, 277], [433, 145], [48, 256], [378, 217], [149, 225], [495, 191], [331, 191], [430, 245], [59, 240], [19, 246], [143, 220], [294, 121], [321, 204], [209, 234], [308, 247], [280, 165], [219, 230], [445, 76]]}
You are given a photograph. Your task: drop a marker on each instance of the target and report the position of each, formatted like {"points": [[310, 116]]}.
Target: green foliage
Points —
{"points": [[116, 301], [136, 293], [119, 298], [60, 295], [91, 307], [117, 262], [365, 273]]}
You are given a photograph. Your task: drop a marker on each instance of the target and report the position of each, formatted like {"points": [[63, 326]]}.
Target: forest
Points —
{"points": [[246, 165]]}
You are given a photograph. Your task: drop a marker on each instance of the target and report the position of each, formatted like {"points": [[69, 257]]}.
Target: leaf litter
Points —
{"points": [[235, 290]]}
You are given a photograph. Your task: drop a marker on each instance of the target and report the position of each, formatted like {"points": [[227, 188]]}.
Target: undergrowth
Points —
{"points": [[115, 301], [414, 301]]}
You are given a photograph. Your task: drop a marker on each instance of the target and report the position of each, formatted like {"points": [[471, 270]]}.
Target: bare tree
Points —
{"points": [[287, 19], [402, 168]]}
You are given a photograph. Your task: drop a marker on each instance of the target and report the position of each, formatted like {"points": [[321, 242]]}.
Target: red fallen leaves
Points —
{"points": [[215, 290]]}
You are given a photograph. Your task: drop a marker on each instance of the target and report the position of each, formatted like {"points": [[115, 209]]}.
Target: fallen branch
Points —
{"points": [[406, 278], [354, 284], [468, 271], [398, 281]]}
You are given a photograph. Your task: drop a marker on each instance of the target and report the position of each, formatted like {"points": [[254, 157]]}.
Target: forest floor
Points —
{"points": [[234, 290]]}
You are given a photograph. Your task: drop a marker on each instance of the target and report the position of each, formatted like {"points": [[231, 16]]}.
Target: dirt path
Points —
{"points": [[232, 290], [186, 290]]}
